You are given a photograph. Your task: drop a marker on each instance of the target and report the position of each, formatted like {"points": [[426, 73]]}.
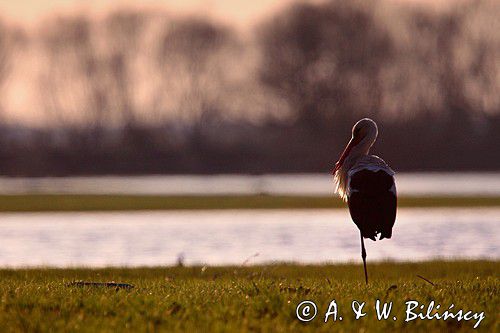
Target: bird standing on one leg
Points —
{"points": [[366, 182]]}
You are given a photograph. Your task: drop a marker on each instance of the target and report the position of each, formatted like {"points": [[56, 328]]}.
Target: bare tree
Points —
{"points": [[191, 56], [5, 55], [476, 54], [124, 32], [326, 60], [72, 85]]}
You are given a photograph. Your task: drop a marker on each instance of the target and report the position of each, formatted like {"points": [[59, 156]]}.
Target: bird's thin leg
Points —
{"points": [[363, 255]]}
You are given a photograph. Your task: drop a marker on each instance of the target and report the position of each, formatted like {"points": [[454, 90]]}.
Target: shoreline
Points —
{"points": [[81, 203]]}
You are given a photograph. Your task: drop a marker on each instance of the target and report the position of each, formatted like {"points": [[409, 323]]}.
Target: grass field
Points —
{"points": [[259, 298], [35, 203]]}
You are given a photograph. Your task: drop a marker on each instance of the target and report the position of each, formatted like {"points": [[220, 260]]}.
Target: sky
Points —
{"points": [[239, 12]]}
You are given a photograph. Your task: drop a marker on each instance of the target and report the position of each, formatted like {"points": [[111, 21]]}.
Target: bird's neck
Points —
{"points": [[359, 151], [363, 147]]}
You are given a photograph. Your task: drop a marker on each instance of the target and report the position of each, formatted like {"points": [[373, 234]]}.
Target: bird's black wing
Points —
{"points": [[372, 202]]}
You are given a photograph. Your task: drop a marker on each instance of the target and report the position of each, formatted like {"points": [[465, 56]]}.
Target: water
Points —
{"points": [[230, 237], [423, 184]]}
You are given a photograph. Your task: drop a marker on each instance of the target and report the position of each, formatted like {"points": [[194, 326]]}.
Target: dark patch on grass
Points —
{"points": [[100, 284]]}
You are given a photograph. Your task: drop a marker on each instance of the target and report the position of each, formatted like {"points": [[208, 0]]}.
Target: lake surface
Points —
{"points": [[231, 237], [419, 184]]}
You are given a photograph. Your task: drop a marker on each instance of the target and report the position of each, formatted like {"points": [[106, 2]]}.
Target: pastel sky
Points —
{"points": [[236, 11], [240, 12]]}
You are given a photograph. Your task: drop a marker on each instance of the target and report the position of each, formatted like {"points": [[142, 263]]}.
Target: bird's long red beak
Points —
{"points": [[353, 142]]}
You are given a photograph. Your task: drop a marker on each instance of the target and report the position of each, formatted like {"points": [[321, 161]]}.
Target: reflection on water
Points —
{"points": [[457, 184], [229, 237]]}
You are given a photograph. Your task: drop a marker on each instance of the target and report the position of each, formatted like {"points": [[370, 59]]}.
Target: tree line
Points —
{"points": [[144, 92]]}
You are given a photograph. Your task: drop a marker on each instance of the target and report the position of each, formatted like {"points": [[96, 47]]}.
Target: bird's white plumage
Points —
{"points": [[371, 163], [340, 180]]}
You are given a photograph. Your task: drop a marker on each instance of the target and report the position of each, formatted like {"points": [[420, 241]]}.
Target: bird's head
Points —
{"points": [[364, 134]]}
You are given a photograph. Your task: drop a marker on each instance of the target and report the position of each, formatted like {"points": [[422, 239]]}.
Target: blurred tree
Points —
{"points": [[5, 57], [193, 56], [325, 59], [468, 78], [72, 85], [123, 35], [476, 54]]}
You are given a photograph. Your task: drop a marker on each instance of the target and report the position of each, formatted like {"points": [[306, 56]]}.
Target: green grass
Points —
{"points": [[260, 298], [35, 203]]}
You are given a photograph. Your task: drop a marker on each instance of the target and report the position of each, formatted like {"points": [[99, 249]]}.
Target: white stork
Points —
{"points": [[366, 182]]}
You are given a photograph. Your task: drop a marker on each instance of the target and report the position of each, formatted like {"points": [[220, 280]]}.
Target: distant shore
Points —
{"points": [[54, 203]]}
